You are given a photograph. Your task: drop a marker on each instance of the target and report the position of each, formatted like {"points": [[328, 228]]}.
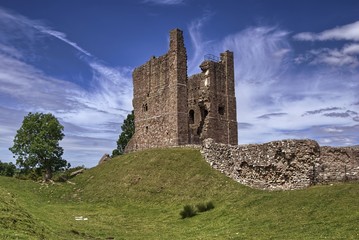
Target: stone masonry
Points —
{"points": [[283, 165], [172, 109], [338, 164]]}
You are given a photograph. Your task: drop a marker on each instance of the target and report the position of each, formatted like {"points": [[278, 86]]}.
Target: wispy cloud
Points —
{"points": [[264, 56], [93, 115], [61, 36], [200, 45], [346, 56], [351, 49], [10, 51], [243, 125], [322, 110], [346, 114], [271, 115], [165, 2], [335, 114], [346, 32], [28, 26]]}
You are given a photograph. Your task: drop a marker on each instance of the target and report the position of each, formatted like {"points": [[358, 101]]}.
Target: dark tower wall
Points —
{"points": [[160, 99], [178, 85], [230, 96]]}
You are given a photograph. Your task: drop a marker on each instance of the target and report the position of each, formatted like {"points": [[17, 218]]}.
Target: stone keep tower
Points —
{"points": [[212, 102], [172, 109]]}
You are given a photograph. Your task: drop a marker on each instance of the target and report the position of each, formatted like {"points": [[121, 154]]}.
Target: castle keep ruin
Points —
{"points": [[172, 109]]}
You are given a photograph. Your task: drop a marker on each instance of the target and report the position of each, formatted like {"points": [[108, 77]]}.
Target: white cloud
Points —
{"points": [[199, 44], [333, 130], [10, 51], [28, 27], [351, 49], [61, 36], [91, 115], [271, 115], [164, 2], [346, 32], [346, 56], [262, 53], [332, 57]]}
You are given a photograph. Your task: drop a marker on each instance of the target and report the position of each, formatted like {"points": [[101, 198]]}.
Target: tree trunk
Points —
{"points": [[48, 174]]}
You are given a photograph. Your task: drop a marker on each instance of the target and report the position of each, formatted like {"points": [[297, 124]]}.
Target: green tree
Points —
{"points": [[128, 129], [7, 169], [36, 144]]}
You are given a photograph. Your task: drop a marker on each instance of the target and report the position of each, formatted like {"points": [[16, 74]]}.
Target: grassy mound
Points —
{"points": [[156, 176], [141, 195]]}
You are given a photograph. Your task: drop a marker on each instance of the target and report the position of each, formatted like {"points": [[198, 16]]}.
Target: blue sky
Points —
{"points": [[296, 65]]}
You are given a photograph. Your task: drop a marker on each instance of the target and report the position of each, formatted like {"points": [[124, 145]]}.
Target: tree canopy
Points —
{"points": [[7, 169], [36, 144], [128, 129]]}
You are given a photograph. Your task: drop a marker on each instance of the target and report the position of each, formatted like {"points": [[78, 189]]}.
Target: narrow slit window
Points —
{"points": [[191, 117], [221, 110]]}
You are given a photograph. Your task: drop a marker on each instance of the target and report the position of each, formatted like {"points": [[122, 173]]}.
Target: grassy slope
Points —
{"points": [[140, 195], [15, 221]]}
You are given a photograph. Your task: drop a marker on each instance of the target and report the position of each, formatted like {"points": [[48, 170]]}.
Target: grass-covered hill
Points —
{"points": [[140, 196]]}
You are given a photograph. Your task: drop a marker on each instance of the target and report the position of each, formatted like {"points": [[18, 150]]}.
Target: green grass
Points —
{"points": [[16, 221], [140, 196]]}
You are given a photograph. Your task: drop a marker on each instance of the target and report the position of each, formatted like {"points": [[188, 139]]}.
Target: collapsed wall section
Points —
{"points": [[283, 165]]}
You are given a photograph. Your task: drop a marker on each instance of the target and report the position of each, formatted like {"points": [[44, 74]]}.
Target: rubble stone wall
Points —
{"points": [[338, 164], [282, 165]]}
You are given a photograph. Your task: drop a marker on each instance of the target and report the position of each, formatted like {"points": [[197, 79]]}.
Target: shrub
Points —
{"points": [[188, 211], [203, 207], [210, 206]]}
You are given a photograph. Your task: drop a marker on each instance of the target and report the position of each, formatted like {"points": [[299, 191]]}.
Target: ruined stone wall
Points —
{"points": [[282, 165], [338, 164]]}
